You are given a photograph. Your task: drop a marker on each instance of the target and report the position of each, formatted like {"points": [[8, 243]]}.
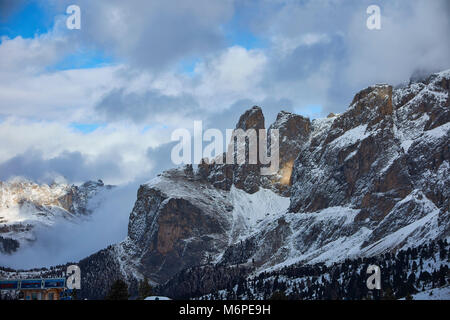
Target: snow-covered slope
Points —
{"points": [[370, 181], [329, 236], [25, 205], [433, 294], [187, 221], [420, 272], [357, 191]]}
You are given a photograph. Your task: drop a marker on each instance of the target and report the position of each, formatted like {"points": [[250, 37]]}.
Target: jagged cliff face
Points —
{"points": [[244, 176], [378, 152], [371, 180], [25, 204], [293, 132], [338, 164], [178, 222], [387, 145]]}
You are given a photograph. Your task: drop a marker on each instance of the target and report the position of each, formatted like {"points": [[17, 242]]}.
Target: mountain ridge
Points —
{"points": [[24, 205], [369, 181]]}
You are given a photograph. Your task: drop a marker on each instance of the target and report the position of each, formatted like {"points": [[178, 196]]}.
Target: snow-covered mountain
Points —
{"points": [[373, 180], [25, 205]]}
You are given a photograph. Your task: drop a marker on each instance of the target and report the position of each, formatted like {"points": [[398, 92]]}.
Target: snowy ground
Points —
{"points": [[433, 294]]}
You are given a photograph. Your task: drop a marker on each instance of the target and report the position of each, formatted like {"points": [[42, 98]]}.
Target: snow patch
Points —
{"points": [[351, 137]]}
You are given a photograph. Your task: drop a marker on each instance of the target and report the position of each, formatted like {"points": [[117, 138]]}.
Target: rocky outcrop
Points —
{"points": [[369, 181], [177, 222], [245, 176], [251, 119], [369, 156], [342, 165], [293, 133]]}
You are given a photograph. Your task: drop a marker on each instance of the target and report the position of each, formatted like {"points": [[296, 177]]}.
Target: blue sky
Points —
{"points": [[85, 127], [82, 59], [27, 20], [33, 18], [137, 70], [238, 33]]}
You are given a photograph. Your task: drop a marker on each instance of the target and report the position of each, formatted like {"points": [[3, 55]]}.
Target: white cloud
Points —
{"points": [[413, 36], [234, 74], [32, 55], [319, 53], [284, 46], [29, 54], [175, 99], [65, 96], [71, 241], [126, 144], [153, 35]]}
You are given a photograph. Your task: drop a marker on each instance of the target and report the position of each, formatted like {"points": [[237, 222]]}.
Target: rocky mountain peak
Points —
{"points": [[251, 119], [369, 181], [294, 131], [371, 105], [366, 162], [17, 191], [371, 93], [292, 126]]}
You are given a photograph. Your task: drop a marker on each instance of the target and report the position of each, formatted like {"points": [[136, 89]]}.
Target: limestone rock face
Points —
{"points": [[177, 222], [294, 131], [251, 119], [368, 157], [369, 181], [245, 176]]}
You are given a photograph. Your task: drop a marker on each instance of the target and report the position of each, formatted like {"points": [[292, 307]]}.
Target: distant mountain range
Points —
{"points": [[25, 205]]}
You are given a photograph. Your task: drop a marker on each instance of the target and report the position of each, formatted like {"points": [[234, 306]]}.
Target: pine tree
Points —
{"points": [[278, 295], [388, 295], [118, 291], [74, 294], [145, 289]]}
